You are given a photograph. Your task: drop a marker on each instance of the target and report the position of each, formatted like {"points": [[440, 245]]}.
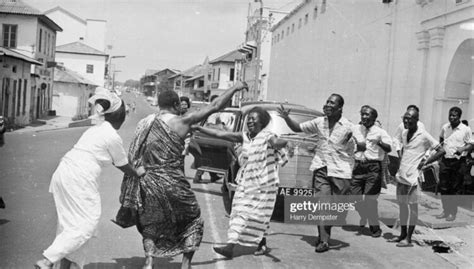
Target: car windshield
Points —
{"points": [[225, 120], [278, 125]]}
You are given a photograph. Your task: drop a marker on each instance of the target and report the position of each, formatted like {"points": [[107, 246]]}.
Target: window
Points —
{"points": [[282, 34], [90, 69], [231, 75], [292, 28], [299, 23], [24, 96], [40, 43], [218, 74], [19, 98], [9, 35], [213, 74], [306, 18], [288, 31]]}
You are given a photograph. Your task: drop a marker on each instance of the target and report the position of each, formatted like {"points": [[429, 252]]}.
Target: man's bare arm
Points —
{"points": [[216, 105]]}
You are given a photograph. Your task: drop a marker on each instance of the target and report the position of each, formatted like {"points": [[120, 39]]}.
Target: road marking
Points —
{"points": [[214, 233]]}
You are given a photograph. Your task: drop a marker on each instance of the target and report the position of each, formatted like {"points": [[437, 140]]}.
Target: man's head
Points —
{"points": [[455, 116], [333, 106], [413, 107], [410, 120], [169, 100], [185, 104], [368, 115]]}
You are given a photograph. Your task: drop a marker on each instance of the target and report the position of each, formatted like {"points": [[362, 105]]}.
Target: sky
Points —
{"points": [[158, 34]]}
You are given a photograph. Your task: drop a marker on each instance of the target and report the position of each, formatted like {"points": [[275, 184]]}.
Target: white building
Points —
{"points": [[90, 31], [224, 71], [28, 31], [83, 59], [387, 55], [71, 93]]}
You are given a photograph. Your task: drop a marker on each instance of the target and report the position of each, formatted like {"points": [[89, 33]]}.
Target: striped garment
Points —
{"points": [[256, 192]]}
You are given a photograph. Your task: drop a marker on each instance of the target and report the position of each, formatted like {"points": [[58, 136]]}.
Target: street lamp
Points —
{"points": [[109, 71]]}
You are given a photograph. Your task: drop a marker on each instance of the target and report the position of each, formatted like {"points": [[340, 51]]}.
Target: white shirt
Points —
{"points": [[371, 137], [104, 143], [412, 154], [455, 138], [398, 134], [334, 150]]}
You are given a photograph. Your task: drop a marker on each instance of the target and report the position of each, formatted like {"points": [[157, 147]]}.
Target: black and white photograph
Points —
{"points": [[230, 134]]}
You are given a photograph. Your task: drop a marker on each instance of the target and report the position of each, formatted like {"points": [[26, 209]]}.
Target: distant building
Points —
{"points": [[387, 54], [225, 71], [71, 92], [92, 32], [28, 31], [193, 82], [83, 59], [16, 98]]}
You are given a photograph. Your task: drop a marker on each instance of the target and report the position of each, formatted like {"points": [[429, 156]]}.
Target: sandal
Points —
{"points": [[397, 239], [404, 244]]}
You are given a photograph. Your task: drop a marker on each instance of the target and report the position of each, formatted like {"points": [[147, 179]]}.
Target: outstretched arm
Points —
{"points": [[230, 136], [216, 105], [285, 114]]}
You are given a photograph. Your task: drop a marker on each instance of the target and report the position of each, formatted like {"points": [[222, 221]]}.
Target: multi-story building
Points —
{"points": [[16, 97], [193, 82], [29, 32], [387, 54], [81, 45], [83, 59], [224, 71]]}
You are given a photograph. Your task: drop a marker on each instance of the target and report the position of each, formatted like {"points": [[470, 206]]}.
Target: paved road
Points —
{"points": [[27, 225]]}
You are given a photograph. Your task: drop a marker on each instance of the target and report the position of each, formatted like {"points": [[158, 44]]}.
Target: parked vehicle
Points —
{"points": [[219, 156]]}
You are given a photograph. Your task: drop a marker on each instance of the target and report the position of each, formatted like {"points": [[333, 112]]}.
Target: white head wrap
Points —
{"points": [[103, 93]]}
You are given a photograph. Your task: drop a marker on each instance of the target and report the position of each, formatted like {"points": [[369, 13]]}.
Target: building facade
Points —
{"points": [[71, 93], [225, 71], [83, 59], [91, 31], [16, 87], [387, 54], [27, 31]]}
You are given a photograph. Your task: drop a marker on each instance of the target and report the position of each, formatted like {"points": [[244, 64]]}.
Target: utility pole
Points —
{"points": [[113, 79], [258, 41], [109, 70]]}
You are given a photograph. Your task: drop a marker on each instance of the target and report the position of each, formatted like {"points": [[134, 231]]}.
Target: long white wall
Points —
{"points": [[367, 51]]}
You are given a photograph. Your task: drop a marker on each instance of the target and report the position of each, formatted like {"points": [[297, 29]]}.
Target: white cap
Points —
{"points": [[103, 93]]}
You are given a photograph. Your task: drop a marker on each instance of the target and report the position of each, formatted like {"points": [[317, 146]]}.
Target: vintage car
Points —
{"points": [[218, 156]]}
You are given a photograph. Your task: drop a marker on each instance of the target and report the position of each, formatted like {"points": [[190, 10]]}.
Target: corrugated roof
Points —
{"points": [[229, 57], [17, 55], [79, 48], [62, 74], [20, 8]]}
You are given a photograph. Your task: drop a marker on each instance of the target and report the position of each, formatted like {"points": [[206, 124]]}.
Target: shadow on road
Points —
{"points": [[4, 221], [132, 263], [311, 240]]}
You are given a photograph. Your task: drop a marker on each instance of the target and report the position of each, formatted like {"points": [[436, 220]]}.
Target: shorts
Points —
{"points": [[407, 194]]}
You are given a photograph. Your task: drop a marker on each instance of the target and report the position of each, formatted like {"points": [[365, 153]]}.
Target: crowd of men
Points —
{"points": [[350, 160]]}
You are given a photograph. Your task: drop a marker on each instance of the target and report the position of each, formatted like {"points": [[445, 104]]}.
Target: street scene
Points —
{"points": [[244, 134]]}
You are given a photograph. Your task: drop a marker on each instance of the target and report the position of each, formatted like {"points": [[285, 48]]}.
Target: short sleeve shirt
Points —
{"points": [[335, 149], [455, 138], [412, 154], [398, 134], [104, 143], [371, 137]]}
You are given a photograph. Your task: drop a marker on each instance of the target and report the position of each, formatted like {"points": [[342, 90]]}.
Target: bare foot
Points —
{"points": [[43, 264]]}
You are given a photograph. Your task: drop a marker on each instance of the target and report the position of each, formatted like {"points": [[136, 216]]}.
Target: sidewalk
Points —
{"points": [[453, 241], [50, 123]]}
